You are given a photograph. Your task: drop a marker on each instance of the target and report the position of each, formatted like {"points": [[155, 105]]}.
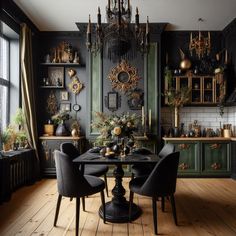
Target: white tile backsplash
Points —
{"points": [[207, 117]]}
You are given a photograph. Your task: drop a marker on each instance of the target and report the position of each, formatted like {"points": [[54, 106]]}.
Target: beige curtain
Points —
{"points": [[27, 85]]}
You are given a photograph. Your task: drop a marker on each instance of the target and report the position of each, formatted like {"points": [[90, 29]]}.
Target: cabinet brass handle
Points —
{"points": [[184, 166], [215, 146], [183, 146], [216, 166]]}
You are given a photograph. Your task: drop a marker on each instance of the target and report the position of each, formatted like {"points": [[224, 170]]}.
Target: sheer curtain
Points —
{"points": [[28, 86]]}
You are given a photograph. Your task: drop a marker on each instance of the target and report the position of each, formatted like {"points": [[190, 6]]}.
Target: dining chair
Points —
{"points": [[94, 170], [138, 170], [160, 183], [73, 184]]}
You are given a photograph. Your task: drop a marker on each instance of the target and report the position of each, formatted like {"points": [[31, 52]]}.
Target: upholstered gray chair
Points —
{"points": [[160, 183], [73, 184], [95, 170]]}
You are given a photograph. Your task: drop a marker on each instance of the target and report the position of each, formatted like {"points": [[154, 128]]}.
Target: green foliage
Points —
{"points": [[60, 117], [19, 118], [5, 137]]}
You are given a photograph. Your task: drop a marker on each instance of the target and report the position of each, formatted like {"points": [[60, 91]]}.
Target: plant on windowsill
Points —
{"points": [[4, 138]]}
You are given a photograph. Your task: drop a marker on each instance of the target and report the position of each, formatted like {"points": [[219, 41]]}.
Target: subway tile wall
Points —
{"points": [[207, 117]]}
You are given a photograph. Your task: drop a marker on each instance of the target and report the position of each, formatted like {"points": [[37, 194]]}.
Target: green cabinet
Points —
{"points": [[216, 158], [189, 157], [189, 161], [47, 147], [203, 157]]}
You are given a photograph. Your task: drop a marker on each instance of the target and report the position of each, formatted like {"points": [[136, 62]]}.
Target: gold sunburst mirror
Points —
{"points": [[123, 77]]}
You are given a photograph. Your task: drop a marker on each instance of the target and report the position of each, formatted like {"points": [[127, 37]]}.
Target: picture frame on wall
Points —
{"points": [[65, 107], [56, 76], [64, 96], [112, 101]]}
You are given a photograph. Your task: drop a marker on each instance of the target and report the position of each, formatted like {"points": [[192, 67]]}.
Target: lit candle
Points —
{"points": [[191, 37], [150, 119], [142, 116], [209, 36]]}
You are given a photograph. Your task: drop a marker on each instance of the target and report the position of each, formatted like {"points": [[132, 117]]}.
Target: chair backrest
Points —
{"points": [[69, 149], [70, 180], [162, 180], [166, 150]]}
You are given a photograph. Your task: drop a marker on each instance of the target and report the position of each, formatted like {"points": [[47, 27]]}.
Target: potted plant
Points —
{"points": [[5, 137], [176, 99], [59, 120], [19, 118], [75, 128]]}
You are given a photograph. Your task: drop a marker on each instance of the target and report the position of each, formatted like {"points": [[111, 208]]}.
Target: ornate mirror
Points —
{"points": [[123, 77]]}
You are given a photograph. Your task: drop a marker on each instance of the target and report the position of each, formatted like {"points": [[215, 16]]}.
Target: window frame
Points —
{"points": [[6, 82]]}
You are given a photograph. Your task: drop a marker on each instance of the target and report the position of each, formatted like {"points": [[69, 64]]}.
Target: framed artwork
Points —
{"points": [[65, 107], [56, 76], [64, 96], [135, 99], [112, 101]]}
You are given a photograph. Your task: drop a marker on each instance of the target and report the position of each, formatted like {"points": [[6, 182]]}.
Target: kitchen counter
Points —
{"points": [[199, 139]]}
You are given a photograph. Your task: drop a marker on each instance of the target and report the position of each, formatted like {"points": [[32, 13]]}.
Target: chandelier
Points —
{"points": [[119, 39], [200, 44]]}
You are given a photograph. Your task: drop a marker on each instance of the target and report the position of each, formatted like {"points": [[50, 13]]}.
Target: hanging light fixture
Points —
{"points": [[116, 38], [200, 44]]}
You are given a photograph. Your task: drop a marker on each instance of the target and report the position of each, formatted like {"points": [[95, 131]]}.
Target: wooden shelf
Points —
{"points": [[62, 64]]}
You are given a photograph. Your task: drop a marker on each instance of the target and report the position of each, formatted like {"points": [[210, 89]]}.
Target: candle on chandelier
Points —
{"points": [[99, 16], [150, 119]]}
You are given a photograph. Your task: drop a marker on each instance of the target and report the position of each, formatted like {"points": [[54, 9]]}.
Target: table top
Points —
{"points": [[96, 158]]}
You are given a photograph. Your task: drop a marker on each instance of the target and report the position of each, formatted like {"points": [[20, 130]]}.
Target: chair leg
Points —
{"points": [[77, 216], [103, 206], [132, 176], [71, 198], [172, 200], [154, 209], [163, 204], [131, 197], [57, 209], [83, 203], [105, 180]]}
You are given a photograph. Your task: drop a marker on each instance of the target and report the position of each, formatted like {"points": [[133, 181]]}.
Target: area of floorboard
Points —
{"points": [[204, 207]]}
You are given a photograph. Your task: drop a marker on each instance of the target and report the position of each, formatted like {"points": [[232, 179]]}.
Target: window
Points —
{"points": [[4, 81]]}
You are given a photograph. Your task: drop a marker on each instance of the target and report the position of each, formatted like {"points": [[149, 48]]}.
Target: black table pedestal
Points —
{"points": [[117, 210]]}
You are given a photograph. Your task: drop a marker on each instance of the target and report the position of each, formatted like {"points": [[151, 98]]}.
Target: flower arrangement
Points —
{"points": [[111, 126], [60, 117]]}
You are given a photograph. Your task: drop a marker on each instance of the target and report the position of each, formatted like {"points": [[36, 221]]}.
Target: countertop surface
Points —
{"points": [[199, 139]]}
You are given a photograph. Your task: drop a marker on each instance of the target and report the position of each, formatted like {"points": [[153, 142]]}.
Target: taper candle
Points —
{"points": [[150, 119], [142, 116]]}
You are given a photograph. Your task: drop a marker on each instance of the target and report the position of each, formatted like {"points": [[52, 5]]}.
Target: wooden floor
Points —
{"points": [[204, 207]]}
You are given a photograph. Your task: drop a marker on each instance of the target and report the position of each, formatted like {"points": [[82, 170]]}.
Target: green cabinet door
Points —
{"points": [[216, 158], [189, 157]]}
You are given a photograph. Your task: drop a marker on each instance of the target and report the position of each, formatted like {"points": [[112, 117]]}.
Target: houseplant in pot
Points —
{"points": [[59, 120], [176, 99]]}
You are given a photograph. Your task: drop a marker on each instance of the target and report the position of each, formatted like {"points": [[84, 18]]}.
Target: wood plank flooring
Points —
{"points": [[204, 207]]}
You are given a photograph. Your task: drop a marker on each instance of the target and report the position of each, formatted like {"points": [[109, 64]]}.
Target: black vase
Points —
{"points": [[62, 130]]}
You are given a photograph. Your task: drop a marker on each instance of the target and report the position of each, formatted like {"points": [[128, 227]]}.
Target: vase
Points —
{"points": [[74, 133], [62, 130]]}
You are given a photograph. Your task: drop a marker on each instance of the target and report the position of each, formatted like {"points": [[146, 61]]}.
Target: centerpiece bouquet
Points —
{"points": [[115, 126]]}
